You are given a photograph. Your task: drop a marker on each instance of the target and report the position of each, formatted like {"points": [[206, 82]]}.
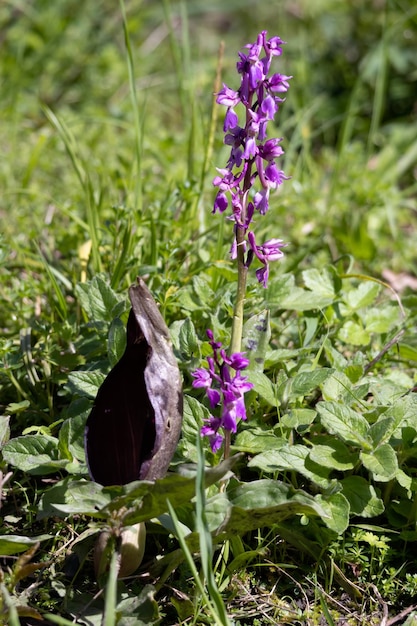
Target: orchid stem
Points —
{"points": [[237, 325]]}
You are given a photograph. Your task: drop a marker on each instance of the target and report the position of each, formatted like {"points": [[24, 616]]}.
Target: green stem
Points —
{"points": [[237, 325]]}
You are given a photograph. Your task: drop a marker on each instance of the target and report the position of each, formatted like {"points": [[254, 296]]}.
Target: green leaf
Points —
{"points": [[254, 440], [13, 544], [292, 458], [256, 337], [305, 382], [334, 454], [284, 294], [265, 503], [188, 341], [298, 419], [362, 296], [264, 387], [98, 299], [144, 499], [194, 414], [320, 282], [116, 342], [354, 333], [381, 319], [70, 496], [85, 384], [337, 508], [35, 454], [362, 497], [345, 423], [71, 437], [382, 463]]}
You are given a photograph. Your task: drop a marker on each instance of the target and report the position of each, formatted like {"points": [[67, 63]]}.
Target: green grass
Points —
{"points": [[110, 143]]}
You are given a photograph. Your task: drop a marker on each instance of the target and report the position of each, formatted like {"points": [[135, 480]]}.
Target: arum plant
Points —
{"points": [[244, 188]]}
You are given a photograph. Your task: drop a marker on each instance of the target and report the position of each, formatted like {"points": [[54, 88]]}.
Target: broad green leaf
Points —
{"points": [[85, 384], [71, 496], [256, 337], [345, 423], [408, 482], [188, 342], [381, 319], [278, 289], [338, 387], [13, 544], [35, 454], [254, 440], [298, 419], [71, 437], [144, 499], [264, 503], [264, 387], [194, 415], [354, 333], [304, 300], [334, 454], [362, 296], [382, 463], [204, 292], [116, 342], [305, 382], [337, 508], [384, 428], [291, 458], [98, 300], [407, 352], [319, 282], [362, 497], [354, 372]]}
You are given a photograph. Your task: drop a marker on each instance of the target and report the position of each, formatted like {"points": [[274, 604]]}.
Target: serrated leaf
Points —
{"points": [[362, 296], [382, 463], [319, 282], [116, 342], [188, 341], [256, 337], [98, 299], [35, 454], [362, 497], [85, 384], [346, 423], [202, 289], [193, 418]]}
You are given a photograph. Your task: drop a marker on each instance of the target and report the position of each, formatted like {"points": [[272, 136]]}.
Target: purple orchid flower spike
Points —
{"points": [[252, 173], [225, 386]]}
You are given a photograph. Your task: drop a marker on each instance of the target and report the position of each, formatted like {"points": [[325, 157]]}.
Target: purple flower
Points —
{"points": [[223, 388], [269, 251], [252, 172]]}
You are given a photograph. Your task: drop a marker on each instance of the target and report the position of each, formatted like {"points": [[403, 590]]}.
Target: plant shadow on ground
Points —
{"points": [[105, 178]]}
